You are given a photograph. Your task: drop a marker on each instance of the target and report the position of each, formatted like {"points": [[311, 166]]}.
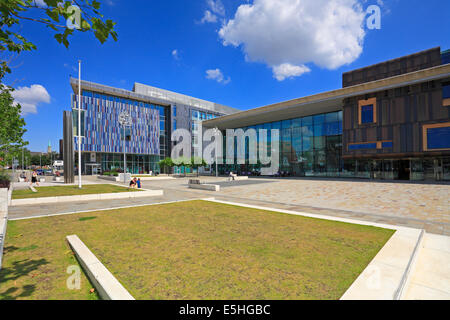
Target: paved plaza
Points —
{"points": [[423, 206]]}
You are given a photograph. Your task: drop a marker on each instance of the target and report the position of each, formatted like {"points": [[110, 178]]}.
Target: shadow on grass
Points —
{"points": [[18, 270]]}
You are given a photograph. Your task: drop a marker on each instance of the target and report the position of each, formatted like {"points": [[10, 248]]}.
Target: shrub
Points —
{"points": [[5, 180]]}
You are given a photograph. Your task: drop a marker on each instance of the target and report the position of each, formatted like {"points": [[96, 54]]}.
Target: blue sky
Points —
{"points": [[273, 60]]}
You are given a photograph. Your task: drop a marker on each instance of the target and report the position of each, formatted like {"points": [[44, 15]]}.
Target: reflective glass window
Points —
{"points": [[367, 114], [438, 138]]}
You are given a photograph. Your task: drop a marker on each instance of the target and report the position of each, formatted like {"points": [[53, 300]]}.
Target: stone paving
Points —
{"points": [[425, 206]]}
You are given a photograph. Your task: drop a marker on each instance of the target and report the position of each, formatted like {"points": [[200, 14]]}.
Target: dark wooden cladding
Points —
{"points": [[401, 114], [418, 61]]}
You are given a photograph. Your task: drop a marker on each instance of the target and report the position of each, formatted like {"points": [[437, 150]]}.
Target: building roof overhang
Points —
{"points": [[122, 93], [323, 102]]}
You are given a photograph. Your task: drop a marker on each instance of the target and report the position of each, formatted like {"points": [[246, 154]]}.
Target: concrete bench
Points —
{"points": [[58, 179], [209, 187], [194, 181], [237, 178], [109, 178]]}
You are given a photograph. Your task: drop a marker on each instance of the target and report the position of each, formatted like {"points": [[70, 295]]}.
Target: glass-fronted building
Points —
{"points": [[155, 114], [309, 146], [389, 121]]}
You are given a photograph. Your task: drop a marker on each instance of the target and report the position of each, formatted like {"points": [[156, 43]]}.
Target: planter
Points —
{"points": [[5, 184], [109, 178]]}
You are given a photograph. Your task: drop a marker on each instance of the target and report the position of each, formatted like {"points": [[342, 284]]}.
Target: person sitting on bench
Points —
{"points": [[133, 183]]}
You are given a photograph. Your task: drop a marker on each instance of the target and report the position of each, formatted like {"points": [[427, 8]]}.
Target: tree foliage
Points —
{"points": [[12, 125], [166, 164], [54, 15]]}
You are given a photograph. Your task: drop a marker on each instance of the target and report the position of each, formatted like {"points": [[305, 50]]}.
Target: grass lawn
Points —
{"points": [[192, 250], [43, 192]]}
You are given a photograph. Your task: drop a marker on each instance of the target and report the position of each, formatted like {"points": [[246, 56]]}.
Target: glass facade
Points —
{"points": [[309, 146], [103, 138], [196, 117], [312, 147], [105, 162]]}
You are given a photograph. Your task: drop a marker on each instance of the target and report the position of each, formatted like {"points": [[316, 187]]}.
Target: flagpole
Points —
{"points": [[79, 124]]}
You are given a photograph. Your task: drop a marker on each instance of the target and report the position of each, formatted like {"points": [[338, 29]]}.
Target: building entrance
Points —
{"points": [[404, 169]]}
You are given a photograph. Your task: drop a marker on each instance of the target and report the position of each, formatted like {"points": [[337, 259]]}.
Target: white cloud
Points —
{"points": [[217, 75], [215, 9], [30, 97], [74, 69], [209, 17], [175, 54], [287, 34], [40, 3], [286, 70]]}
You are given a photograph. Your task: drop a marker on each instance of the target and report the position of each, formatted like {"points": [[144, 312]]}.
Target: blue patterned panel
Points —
{"points": [[362, 146], [438, 138], [446, 92], [367, 114], [387, 144], [103, 133]]}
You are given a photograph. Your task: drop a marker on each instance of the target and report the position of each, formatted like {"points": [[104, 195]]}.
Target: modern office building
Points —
{"points": [[388, 121], [155, 113]]}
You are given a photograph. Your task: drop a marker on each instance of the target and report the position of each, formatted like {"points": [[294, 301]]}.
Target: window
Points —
{"points": [[367, 114], [446, 94], [174, 111], [387, 144], [174, 124], [437, 137], [367, 111], [362, 146]]}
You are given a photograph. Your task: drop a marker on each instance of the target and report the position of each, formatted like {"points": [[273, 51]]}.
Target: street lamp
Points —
{"points": [[216, 133], [126, 121], [79, 124]]}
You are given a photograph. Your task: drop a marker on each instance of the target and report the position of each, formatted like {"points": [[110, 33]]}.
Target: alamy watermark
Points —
{"points": [[74, 20], [74, 280], [252, 147], [373, 20]]}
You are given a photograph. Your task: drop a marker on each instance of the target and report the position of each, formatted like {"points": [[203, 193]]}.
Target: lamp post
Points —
{"points": [[126, 121], [216, 133], [79, 124]]}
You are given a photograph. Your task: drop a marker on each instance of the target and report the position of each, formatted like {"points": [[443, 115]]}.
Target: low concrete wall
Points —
{"points": [[154, 178], [11, 188], [108, 287], [4, 195], [127, 177], [209, 187], [109, 178], [89, 197], [238, 178]]}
